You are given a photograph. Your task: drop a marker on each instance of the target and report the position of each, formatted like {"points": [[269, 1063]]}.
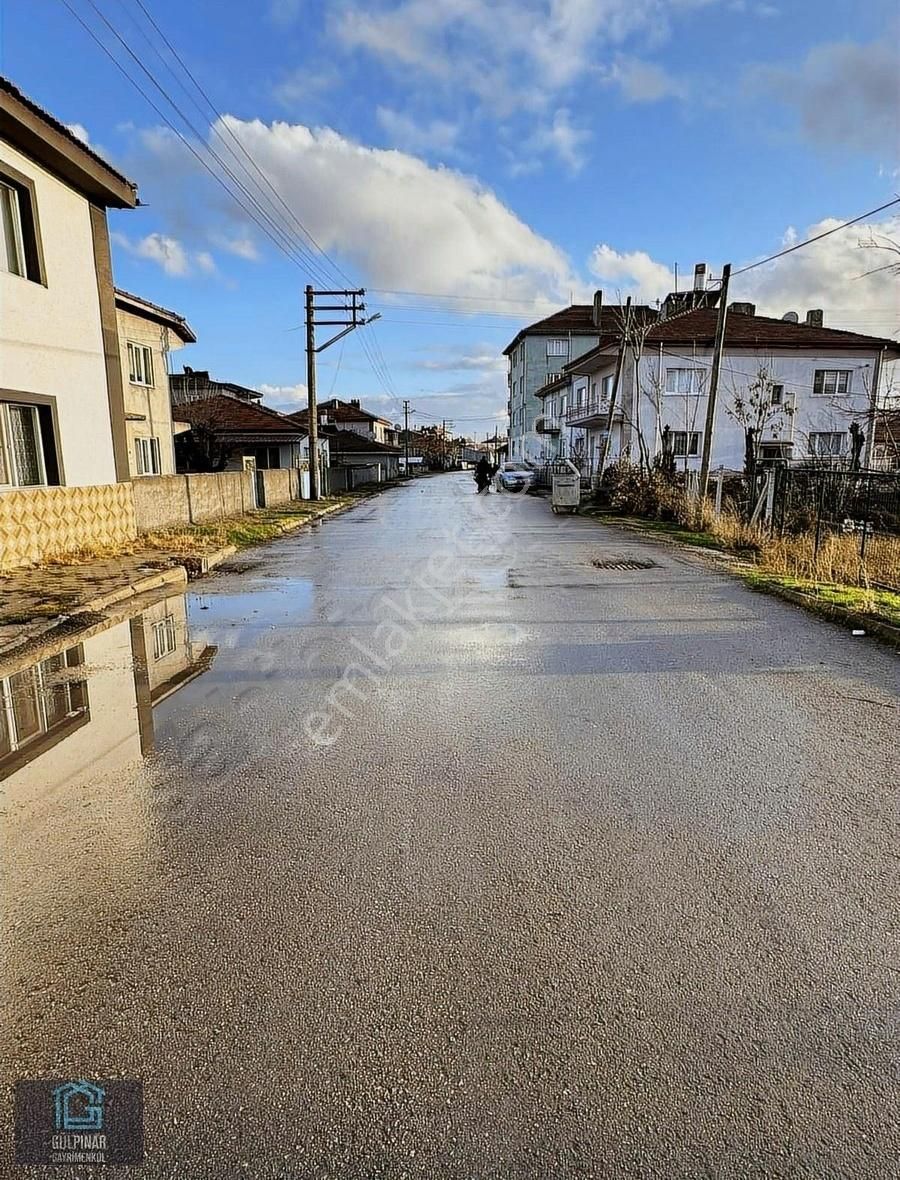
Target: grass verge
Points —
{"points": [[880, 605]]}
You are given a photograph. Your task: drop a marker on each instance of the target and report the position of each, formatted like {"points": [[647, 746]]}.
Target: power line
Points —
{"points": [[817, 238], [220, 120], [280, 244]]}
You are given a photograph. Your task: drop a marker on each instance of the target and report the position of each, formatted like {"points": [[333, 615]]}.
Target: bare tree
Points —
{"points": [[758, 410], [890, 250]]}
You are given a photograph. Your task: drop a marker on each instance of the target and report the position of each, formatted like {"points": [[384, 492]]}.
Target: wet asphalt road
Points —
{"points": [[576, 872]]}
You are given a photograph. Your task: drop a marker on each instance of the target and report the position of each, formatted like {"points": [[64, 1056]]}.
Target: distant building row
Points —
{"points": [[794, 392]]}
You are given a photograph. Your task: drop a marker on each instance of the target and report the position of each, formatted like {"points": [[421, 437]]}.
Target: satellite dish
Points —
{"points": [[791, 317]]}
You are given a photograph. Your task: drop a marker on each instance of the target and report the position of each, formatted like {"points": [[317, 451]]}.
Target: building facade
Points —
{"points": [[793, 392], [539, 354], [62, 417], [147, 335]]}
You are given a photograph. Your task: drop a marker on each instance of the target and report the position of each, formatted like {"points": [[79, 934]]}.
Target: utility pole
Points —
{"points": [[352, 310], [620, 361], [406, 433], [443, 444], [718, 347]]}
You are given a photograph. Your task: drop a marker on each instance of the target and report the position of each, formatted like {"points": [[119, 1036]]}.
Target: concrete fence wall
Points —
{"points": [[39, 523], [278, 485], [169, 501]]}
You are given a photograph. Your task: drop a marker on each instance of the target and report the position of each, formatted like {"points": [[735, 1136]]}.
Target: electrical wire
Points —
{"points": [[816, 238], [280, 244], [220, 121]]}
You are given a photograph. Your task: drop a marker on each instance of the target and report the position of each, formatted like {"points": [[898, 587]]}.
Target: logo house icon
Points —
{"points": [[78, 1106]]}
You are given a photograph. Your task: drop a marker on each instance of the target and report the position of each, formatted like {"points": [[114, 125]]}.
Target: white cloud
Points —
{"points": [[644, 81], [402, 223], [80, 132], [169, 253], [286, 398], [559, 138], [508, 54], [241, 245], [829, 274], [483, 359], [845, 93], [634, 273], [438, 136]]}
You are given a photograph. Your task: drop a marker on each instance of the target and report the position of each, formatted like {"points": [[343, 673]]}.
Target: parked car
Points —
{"points": [[516, 477]]}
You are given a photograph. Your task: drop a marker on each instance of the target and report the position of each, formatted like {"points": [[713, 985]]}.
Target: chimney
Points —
{"points": [[742, 308], [354, 401], [815, 318], [700, 276], [791, 317], [598, 308], [188, 369]]}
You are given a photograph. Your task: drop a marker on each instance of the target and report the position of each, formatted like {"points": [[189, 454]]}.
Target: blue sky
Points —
{"points": [[501, 153]]}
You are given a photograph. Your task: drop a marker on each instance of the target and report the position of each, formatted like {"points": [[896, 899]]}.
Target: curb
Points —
{"points": [[32, 634], [833, 612]]}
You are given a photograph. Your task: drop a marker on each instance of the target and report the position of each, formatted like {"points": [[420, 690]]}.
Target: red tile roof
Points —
{"points": [[742, 331], [340, 411], [152, 311], [578, 320], [231, 415]]}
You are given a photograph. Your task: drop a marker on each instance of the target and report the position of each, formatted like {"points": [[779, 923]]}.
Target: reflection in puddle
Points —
{"points": [[88, 705]]}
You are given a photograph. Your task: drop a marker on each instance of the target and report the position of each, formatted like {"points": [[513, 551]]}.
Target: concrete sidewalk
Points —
{"points": [[37, 601]]}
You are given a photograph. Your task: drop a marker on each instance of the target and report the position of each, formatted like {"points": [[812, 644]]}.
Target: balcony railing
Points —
{"points": [[546, 425], [595, 408]]}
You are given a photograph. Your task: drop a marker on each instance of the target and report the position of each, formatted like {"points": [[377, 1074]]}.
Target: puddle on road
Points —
{"points": [[264, 604]]}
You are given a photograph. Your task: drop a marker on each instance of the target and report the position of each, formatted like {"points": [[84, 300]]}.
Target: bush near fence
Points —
{"points": [[827, 525]]}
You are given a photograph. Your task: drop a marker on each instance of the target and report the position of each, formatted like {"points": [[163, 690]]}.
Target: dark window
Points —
{"points": [[777, 395], [685, 442], [19, 253]]}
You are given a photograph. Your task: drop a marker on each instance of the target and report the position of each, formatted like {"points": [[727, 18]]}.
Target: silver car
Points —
{"points": [[516, 477]]}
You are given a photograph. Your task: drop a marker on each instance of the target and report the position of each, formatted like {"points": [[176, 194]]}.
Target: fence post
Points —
{"points": [[720, 479], [820, 495], [865, 528]]}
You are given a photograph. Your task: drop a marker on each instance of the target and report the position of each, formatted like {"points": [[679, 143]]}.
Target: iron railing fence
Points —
{"points": [[860, 505]]}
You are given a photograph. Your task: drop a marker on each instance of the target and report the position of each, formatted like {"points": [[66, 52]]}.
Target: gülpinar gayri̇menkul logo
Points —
{"points": [[79, 1122]]}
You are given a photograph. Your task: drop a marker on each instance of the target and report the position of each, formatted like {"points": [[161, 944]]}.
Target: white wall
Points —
{"points": [[50, 336], [793, 369]]}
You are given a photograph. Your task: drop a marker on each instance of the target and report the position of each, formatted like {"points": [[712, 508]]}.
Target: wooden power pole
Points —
{"points": [[718, 347]]}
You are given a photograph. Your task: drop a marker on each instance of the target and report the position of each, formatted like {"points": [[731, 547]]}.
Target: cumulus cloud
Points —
{"points": [[168, 253], [482, 359], [285, 398], [830, 274], [402, 223], [438, 136], [632, 273], [241, 245], [846, 94]]}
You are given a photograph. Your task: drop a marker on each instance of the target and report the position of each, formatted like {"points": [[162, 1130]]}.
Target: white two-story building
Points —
{"points": [[63, 440]]}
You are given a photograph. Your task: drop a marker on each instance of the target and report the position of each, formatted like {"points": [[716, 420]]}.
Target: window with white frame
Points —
{"points": [[608, 387], [147, 456], [164, 637], [140, 364], [37, 700], [683, 381], [685, 443], [831, 382], [827, 443], [557, 348], [22, 460], [19, 253]]}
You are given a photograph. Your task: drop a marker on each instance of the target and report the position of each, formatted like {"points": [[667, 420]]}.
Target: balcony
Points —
{"points": [[591, 413], [546, 425]]}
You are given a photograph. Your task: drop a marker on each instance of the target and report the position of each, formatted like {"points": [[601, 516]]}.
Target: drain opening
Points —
{"points": [[623, 563]]}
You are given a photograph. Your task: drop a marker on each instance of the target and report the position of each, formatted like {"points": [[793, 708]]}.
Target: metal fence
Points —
{"points": [[863, 507]]}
